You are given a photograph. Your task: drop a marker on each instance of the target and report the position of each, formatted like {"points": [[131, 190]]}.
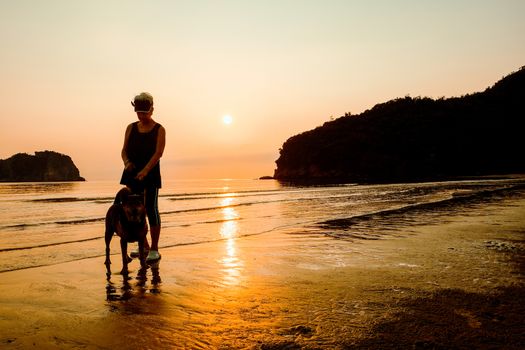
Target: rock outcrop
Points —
{"points": [[44, 166]]}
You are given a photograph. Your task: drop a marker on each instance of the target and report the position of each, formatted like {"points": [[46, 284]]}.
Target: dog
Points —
{"points": [[127, 218]]}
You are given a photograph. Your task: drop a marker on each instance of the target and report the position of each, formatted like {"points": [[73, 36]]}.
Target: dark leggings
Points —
{"points": [[151, 202]]}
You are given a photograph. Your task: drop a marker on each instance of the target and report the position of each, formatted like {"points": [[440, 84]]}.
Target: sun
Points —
{"points": [[227, 119]]}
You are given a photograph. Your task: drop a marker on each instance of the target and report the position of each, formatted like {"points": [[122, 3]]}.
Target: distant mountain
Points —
{"points": [[43, 166], [410, 139]]}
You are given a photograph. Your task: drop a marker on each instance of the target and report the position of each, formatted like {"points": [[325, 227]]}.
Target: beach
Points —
{"points": [[453, 280]]}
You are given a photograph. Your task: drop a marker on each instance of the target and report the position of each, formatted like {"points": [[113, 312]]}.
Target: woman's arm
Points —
{"points": [[161, 143], [124, 154]]}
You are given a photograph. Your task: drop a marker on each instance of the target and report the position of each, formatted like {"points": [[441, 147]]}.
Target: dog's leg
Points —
{"points": [[108, 261], [142, 253], [108, 234], [124, 248]]}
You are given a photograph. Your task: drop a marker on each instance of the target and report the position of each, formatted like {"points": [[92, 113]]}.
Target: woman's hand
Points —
{"points": [[129, 166], [141, 175]]}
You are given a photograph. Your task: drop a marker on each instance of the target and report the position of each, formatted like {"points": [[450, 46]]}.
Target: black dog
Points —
{"points": [[127, 218]]}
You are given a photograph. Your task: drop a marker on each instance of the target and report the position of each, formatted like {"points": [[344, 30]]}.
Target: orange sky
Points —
{"points": [[69, 70]]}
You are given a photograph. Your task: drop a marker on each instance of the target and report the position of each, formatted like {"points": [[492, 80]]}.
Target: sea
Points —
{"points": [[51, 223]]}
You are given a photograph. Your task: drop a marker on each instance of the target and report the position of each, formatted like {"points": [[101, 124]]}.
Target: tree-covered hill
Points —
{"points": [[409, 139]]}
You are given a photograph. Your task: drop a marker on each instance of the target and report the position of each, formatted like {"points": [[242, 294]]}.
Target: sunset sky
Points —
{"points": [[69, 70]]}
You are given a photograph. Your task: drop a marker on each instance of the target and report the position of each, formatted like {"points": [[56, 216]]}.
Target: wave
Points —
{"points": [[178, 196], [218, 221], [223, 195], [170, 196], [455, 192], [455, 200], [49, 244], [72, 199], [47, 223], [170, 212], [174, 245]]}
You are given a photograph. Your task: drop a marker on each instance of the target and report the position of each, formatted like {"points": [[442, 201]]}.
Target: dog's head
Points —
{"points": [[134, 209], [132, 206]]}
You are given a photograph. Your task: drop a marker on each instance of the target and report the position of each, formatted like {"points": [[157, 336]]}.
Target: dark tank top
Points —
{"points": [[140, 148]]}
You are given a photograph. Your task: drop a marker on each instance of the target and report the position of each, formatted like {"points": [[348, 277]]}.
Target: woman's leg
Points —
{"points": [[155, 235], [152, 198]]}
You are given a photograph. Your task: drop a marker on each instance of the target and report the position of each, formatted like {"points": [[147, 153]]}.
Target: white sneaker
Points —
{"points": [[135, 252], [153, 256]]}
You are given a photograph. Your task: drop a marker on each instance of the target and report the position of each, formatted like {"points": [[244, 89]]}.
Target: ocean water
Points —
{"points": [[51, 223]]}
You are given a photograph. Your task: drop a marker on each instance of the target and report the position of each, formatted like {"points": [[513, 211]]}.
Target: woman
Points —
{"points": [[144, 144]]}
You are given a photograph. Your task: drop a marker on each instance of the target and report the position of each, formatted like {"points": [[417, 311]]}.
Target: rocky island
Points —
{"points": [[412, 139], [44, 166]]}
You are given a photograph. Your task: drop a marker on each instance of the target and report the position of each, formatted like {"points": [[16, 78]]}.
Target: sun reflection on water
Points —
{"points": [[232, 265]]}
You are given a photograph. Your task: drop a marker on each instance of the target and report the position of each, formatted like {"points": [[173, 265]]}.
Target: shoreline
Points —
{"points": [[457, 283], [313, 181]]}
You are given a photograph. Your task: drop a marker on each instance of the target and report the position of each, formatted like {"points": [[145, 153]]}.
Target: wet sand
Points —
{"points": [[454, 284]]}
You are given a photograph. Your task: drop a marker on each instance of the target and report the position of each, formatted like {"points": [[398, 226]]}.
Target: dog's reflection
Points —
{"points": [[137, 286]]}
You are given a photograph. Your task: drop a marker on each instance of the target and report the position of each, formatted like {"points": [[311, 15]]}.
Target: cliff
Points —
{"points": [[410, 139], [43, 166]]}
